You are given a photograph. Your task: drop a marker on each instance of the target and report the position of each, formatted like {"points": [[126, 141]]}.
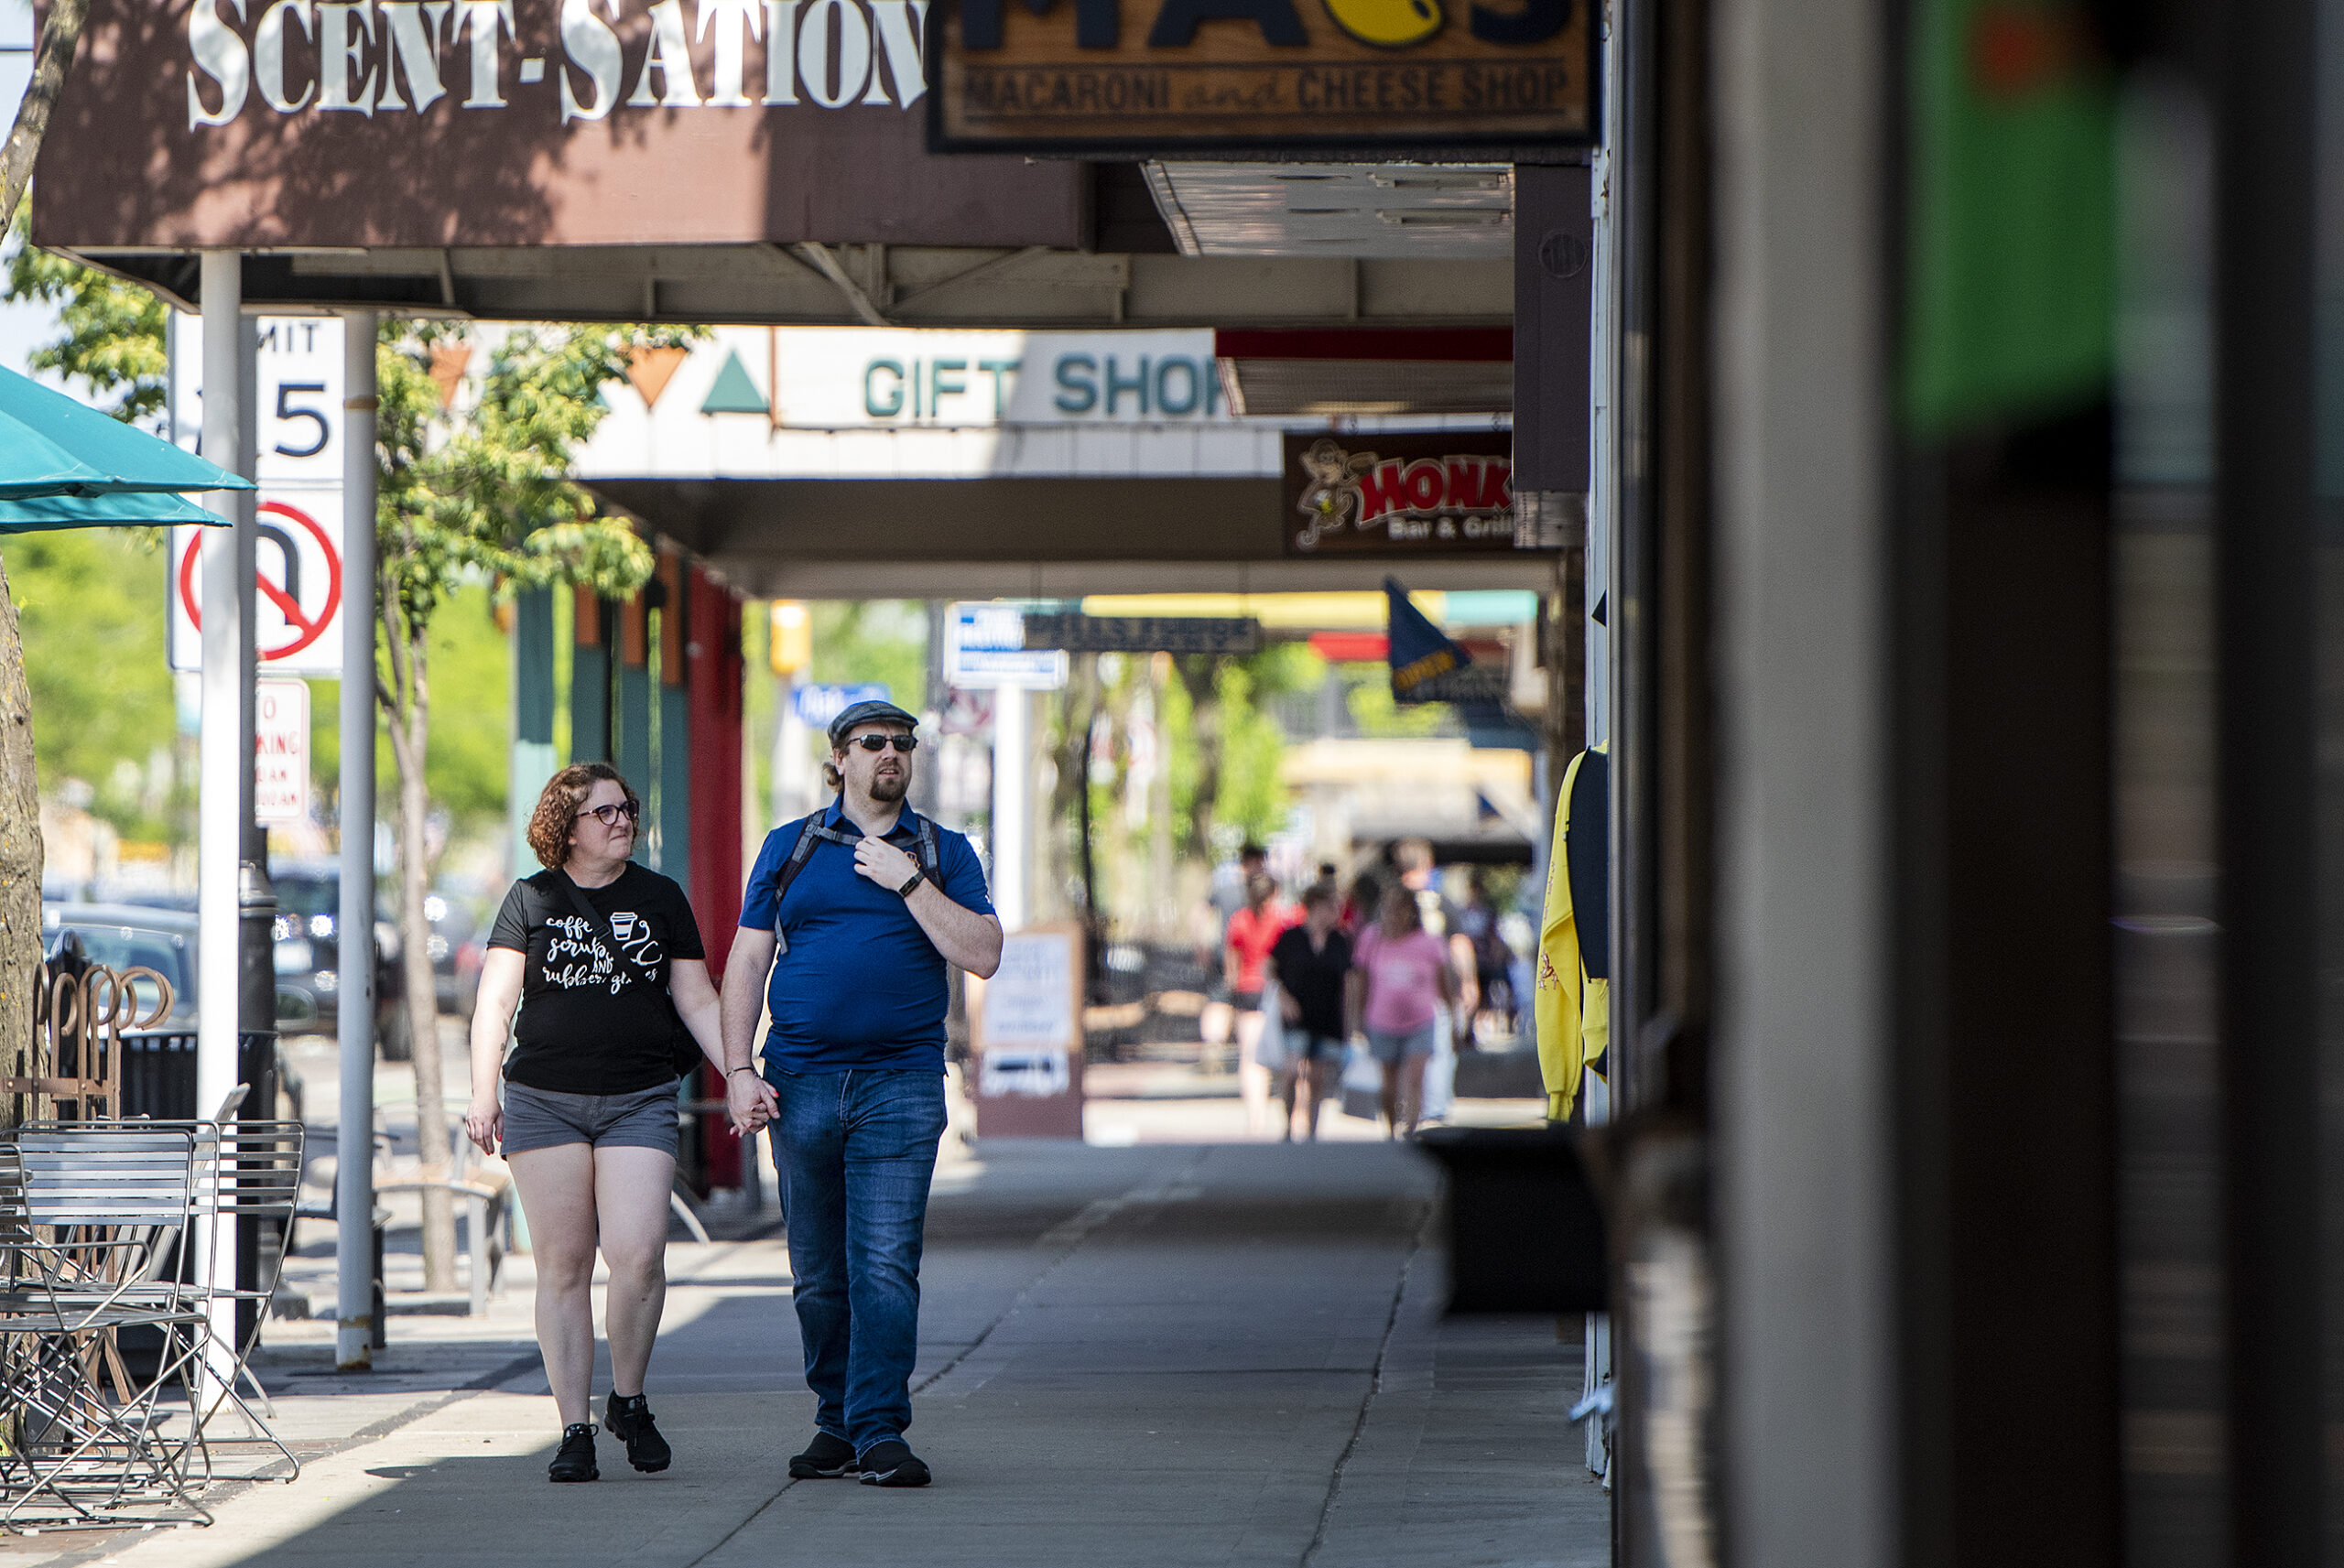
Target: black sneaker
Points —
{"points": [[630, 1422], [893, 1464], [576, 1460], [824, 1458]]}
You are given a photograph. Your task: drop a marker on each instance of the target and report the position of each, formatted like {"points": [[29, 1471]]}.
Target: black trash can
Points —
{"points": [[1526, 1233], [158, 1075]]}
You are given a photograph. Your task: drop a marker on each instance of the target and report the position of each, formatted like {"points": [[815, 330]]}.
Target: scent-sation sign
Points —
{"points": [[328, 124], [1184, 77], [320, 57]]}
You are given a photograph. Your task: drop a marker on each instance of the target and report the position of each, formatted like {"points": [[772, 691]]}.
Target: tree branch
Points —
{"points": [[60, 31]]}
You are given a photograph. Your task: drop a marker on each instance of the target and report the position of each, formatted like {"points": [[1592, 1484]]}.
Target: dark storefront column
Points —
{"points": [[534, 697], [707, 749], [2277, 619], [633, 741], [589, 681], [674, 857]]}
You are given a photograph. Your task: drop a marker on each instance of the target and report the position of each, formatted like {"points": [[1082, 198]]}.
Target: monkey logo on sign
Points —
{"points": [[298, 601]]}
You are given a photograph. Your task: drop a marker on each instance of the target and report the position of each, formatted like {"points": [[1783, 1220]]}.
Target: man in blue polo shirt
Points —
{"points": [[854, 924]]}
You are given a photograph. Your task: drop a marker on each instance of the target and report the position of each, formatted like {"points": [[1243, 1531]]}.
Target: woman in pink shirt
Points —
{"points": [[1400, 978]]}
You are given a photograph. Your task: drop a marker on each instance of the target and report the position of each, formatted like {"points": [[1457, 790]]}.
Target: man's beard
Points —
{"points": [[886, 788]]}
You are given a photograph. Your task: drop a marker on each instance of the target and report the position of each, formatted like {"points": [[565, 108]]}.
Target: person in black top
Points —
{"points": [[1309, 962], [604, 960]]}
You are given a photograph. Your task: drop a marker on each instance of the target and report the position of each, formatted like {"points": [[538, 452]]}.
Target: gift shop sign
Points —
{"points": [[446, 123], [1123, 78]]}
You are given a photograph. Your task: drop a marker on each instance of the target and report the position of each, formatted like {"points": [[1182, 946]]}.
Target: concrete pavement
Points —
{"points": [[1147, 1354]]}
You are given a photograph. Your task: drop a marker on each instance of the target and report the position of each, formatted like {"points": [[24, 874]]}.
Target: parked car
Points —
{"points": [[308, 951], [123, 937]]}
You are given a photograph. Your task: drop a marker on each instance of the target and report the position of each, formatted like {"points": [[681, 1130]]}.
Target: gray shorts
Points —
{"points": [[540, 1118], [1393, 1049]]}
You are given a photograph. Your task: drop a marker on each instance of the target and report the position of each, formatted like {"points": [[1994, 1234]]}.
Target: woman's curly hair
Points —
{"points": [[556, 817]]}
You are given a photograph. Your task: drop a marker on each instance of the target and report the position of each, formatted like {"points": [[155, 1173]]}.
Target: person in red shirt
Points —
{"points": [[1245, 951]]}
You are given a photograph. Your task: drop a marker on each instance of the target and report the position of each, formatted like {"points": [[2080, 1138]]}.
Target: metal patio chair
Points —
{"points": [[90, 1218], [247, 1177]]}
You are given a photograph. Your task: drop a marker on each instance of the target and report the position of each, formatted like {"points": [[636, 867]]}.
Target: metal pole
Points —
{"points": [[355, 1165], [1010, 767], [224, 766]]}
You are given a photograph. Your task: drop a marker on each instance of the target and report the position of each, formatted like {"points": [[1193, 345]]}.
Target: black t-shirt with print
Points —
{"points": [[588, 1027]]}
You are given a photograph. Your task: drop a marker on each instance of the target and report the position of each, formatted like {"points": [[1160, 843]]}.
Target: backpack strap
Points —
{"points": [[810, 833], [931, 860]]}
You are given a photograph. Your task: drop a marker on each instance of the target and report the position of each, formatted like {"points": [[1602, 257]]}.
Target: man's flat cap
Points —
{"points": [[873, 711]]}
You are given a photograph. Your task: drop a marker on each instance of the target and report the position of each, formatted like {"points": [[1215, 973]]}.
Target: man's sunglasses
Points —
{"points": [[608, 816], [881, 742]]}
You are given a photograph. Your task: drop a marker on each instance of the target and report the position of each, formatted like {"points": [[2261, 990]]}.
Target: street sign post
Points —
{"points": [[1145, 634], [817, 704], [299, 417], [984, 645], [297, 622]]}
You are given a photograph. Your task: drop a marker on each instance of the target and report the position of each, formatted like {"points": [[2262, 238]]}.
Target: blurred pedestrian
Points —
{"points": [[1245, 953], [1414, 859], [603, 960], [1477, 921], [1310, 963], [1401, 977]]}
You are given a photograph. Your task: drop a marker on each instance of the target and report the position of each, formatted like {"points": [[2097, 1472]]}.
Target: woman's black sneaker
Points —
{"points": [[575, 1461], [893, 1464], [825, 1458], [630, 1422]]}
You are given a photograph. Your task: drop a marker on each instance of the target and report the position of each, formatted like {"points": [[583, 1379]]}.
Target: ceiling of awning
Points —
{"points": [[1041, 538], [1384, 211]]}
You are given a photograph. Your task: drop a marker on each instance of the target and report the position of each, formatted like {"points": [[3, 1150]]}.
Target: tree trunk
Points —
{"points": [[1069, 858], [1200, 674], [60, 31], [1165, 916], [411, 734], [20, 846]]}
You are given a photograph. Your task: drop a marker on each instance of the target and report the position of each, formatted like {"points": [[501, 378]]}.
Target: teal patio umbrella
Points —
{"points": [[51, 445], [127, 508]]}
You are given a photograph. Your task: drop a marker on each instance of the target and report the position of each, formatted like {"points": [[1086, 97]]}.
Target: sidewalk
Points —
{"points": [[1154, 1355]]}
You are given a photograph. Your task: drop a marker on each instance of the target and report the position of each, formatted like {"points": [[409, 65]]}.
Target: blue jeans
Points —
{"points": [[856, 1152]]}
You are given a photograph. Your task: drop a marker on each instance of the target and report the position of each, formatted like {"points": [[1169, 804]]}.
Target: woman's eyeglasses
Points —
{"points": [[608, 816], [881, 742]]}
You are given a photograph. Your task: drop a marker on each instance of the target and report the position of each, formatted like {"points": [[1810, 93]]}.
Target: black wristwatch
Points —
{"points": [[906, 890]]}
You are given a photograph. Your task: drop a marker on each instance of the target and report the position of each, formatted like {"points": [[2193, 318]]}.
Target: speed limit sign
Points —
{"points": [[297, 415]]}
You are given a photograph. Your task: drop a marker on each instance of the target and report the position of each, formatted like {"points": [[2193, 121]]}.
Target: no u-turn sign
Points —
{"points": [[298, 611]]}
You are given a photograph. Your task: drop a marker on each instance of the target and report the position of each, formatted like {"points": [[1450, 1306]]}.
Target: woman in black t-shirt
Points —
{"points": [[1309, 962], [603, 960]]}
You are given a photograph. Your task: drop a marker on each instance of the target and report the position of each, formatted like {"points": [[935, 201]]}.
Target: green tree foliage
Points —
{"points": [[91, 603], [1381, 717], [883, 640], [466, 768], [477, 486], [1225, 748], [113, 340]]}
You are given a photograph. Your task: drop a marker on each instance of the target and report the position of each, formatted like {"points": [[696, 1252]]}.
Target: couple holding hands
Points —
{"points": [[597, 979]]}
